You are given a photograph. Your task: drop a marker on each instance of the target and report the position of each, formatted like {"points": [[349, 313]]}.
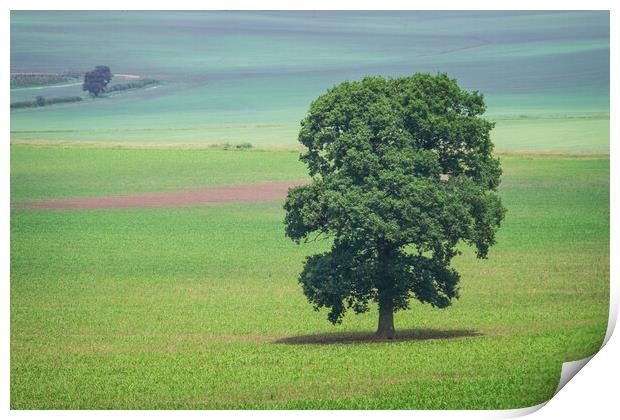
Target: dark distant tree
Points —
{"points": [[95, 81], [402, 171], [40, 101]]}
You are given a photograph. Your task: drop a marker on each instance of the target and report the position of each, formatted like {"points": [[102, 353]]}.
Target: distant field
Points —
{"points": [[564, 134], [199, 307], [250, 76], [568, 133]]}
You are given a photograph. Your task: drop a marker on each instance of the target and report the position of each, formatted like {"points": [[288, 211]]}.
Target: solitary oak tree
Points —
{"points": [[95, 81], [402, 171]]}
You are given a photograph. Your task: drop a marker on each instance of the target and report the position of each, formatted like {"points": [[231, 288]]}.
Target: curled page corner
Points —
{"points": [[519, 412], [569, 370], [613, 317]]}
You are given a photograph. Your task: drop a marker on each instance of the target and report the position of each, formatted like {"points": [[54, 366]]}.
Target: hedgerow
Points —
{"points": [[24, 80], [41, 101], [137, 84]]}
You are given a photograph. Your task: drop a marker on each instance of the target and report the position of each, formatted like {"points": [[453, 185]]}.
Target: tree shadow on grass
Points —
{"points": [[369, 337]]}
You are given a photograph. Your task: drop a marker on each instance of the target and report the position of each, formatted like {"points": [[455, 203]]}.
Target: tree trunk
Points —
{"points": [[385, 330], [385, 285]]}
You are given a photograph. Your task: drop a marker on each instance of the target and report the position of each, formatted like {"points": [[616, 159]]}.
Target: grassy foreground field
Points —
{"points": [[200, 308]]}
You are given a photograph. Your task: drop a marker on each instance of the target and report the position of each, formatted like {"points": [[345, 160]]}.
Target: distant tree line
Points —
{"points": [[136, 84], [41, 101], [95, 81], [25, 80]]}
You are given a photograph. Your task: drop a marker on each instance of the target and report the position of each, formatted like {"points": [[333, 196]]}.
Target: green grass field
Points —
{"points": [[54, 172], [200, 307]]}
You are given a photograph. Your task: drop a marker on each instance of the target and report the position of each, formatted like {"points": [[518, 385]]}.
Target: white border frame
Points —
{"points": [[592, 394]]}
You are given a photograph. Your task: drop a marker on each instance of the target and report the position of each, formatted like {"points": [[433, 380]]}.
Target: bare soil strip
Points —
{"points": [[265, 191]]}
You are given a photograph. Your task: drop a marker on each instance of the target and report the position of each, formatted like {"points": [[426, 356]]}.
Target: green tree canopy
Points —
{"points": [[95, 81], [402, 171]]}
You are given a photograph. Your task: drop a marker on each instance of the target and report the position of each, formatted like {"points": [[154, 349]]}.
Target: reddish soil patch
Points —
{"points": [[266, 191]]}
